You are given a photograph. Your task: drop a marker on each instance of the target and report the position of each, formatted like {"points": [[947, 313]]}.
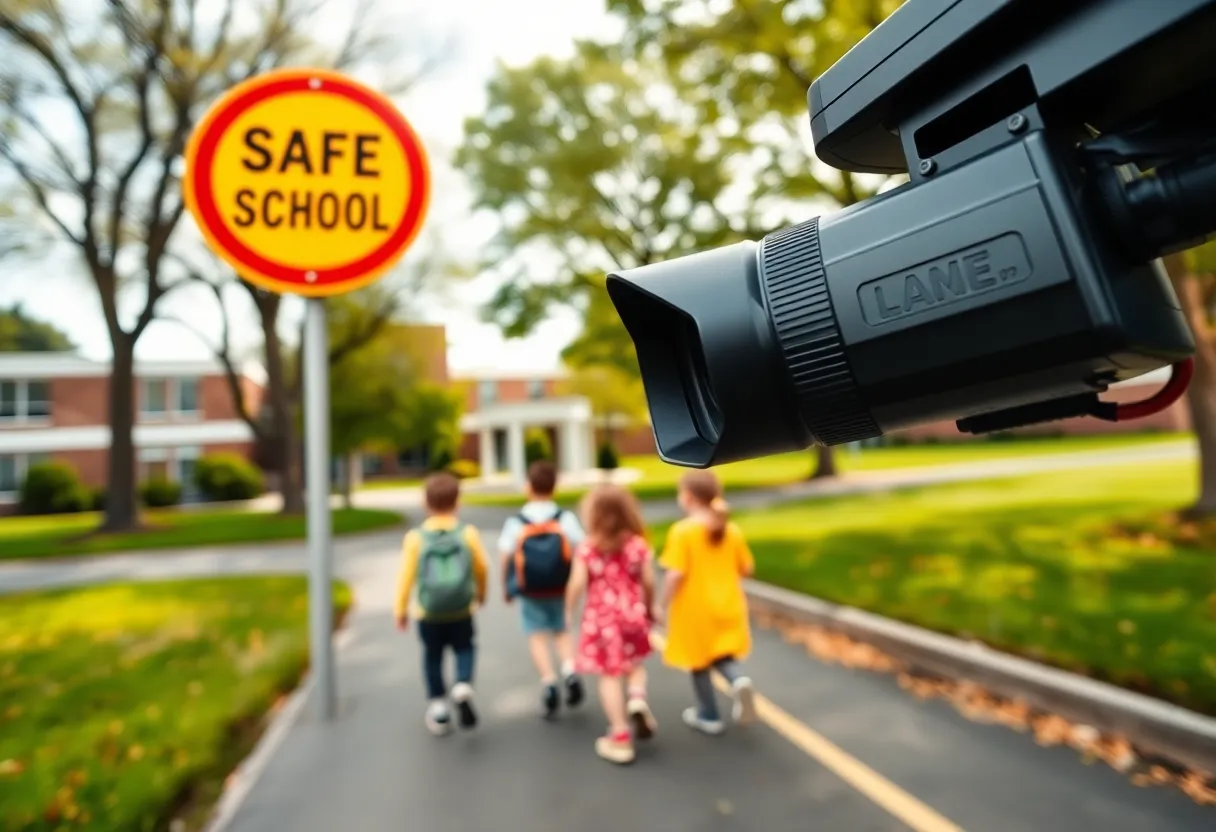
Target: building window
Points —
{"points": [[25, 401], [536, 389], [173, 464], [187, 463], [162, 397], [10, 479], [13, 468], [487, 392], [155, 398], [154, 464], [187, 395]]}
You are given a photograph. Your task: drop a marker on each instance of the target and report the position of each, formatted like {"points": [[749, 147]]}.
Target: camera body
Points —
{"points": [[1010, 281]]}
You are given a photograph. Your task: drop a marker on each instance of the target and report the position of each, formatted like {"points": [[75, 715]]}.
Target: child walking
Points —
{"points": [[443, 581], [705, 559], [537, 548], [614, 567]]}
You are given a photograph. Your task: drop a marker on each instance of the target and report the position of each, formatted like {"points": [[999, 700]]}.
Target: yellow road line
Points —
{"points": [[857, 774]]}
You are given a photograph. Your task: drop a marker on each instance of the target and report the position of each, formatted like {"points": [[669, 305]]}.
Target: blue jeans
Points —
{"points": [[703, 686], [543, 615], [439, 636]]}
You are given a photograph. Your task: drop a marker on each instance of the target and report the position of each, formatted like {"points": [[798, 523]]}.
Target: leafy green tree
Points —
{"points": [[750, 63], [21, 333], [689, 133], [537, 446], [369, 383], [430, 418], [132, 77], [593, 164], [380, 399]]}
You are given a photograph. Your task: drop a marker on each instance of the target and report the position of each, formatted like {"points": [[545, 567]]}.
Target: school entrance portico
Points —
{"points": [[500, 428]]}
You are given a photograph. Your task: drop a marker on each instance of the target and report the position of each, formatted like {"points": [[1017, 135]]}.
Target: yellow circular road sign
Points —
{"points": [[307, 182]]}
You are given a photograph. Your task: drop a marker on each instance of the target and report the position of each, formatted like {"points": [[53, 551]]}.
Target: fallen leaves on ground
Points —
{"points": [[981, 705]]}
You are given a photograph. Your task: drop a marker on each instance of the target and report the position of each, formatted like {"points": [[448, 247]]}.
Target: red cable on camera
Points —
{"points": [[1180, 377]]}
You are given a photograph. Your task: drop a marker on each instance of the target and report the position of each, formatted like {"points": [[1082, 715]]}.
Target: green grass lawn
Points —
{"points": [[659, 479], [126, 705], [69, 534], [1029, 565]]}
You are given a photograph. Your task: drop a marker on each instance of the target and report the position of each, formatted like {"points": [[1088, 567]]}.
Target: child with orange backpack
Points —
{"points": [[537, 546]]}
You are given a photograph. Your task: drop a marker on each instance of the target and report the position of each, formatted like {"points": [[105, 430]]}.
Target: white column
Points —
{"points": [[570, 453], [587, 439], [489, 465], [516, 460]]}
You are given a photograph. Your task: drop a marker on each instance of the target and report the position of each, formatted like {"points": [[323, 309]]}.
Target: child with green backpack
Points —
{"points": [[443, 581]]}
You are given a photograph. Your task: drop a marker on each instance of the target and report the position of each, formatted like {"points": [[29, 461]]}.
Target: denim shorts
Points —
{"points": [[543, 615]]}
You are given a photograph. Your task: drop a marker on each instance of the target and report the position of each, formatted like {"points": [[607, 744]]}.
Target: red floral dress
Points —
{"points": [[615, 633]]}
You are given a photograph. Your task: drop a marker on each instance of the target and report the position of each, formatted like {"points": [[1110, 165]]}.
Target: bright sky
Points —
{"points": [[485, 31]]}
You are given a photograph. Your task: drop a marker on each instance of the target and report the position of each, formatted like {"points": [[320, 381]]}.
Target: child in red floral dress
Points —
{"points": [[615, 568]]}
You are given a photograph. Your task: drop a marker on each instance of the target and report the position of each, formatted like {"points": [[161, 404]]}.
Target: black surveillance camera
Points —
{"points": [[1055, 151]]}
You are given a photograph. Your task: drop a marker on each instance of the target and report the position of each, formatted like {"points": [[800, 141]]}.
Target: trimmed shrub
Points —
{"points": [[160, 493], [228, 477], [606, 458], [97, 499], [53, 488], [465, 469], [537, 445], [441, 459]]}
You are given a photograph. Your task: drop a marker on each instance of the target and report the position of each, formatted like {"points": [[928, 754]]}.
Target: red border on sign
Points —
{"points": [[208, 212]]}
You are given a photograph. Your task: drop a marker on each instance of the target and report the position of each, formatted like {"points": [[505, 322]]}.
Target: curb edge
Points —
{"points": [[1152, 725]]}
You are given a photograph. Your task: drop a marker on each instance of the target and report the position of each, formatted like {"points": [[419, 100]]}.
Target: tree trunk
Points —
{"points": [[1201, 395], [352, 476], [283, 426], [825, 463], [121, 507]]}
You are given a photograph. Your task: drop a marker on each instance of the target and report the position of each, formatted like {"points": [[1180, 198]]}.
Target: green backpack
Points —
{"points": [[445, 573]]}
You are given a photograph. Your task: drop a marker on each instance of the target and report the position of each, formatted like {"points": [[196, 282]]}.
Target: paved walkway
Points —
{"points": [[840, 750], [376, 768]]}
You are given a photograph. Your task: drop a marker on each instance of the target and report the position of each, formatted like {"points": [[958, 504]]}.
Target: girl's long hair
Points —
{"points": [[706, 491], [611, 516]]}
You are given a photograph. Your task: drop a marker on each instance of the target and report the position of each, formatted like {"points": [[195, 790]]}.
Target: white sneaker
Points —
{"points": [[462, 695], [438, 720], [693, 720], [744, 710]]}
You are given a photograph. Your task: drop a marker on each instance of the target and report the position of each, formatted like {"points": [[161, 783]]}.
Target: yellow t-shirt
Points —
{"points": [[707, 620], [411, 548]]}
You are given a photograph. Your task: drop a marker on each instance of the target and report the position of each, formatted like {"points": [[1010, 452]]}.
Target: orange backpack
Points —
{"points": [[541, 565]]}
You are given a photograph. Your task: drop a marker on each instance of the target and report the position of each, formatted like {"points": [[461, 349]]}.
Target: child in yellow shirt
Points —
{"points": [[706, 558], [443, 581]]}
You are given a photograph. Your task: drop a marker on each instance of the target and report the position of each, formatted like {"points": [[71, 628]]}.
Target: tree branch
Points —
{"points": [[155, 46], [223, 352], [221, 38], [87, 113], [365, 335], [36, 188]]}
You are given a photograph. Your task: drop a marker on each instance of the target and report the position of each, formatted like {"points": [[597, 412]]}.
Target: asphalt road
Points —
{"points": [[919, 765]]}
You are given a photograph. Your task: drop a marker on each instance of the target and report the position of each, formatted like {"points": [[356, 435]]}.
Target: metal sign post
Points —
{"points": [[320, 526], [309, 183]]}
